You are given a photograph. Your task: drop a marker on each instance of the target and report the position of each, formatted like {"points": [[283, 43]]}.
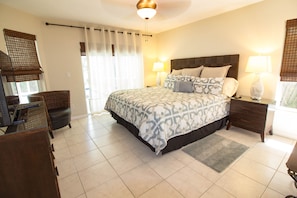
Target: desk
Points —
{"points": [[26, 160], [34, 117]]}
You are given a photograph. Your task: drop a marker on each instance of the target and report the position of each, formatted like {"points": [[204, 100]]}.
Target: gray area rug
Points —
{"points": [[215, 151]]}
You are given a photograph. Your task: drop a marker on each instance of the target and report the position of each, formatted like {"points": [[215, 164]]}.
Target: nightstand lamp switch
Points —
{"points": [[258, 65]]}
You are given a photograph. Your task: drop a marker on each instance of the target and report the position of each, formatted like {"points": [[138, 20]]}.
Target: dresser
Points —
{"points": [[252, 115], [27, 166]]}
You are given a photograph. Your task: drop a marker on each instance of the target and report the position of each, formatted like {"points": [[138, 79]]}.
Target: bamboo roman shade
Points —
{"points": [[21, 49], [289, 61], [82, 48]]}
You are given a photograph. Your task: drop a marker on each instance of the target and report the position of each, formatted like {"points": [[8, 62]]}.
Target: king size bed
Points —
{"points": [[192, 104]]}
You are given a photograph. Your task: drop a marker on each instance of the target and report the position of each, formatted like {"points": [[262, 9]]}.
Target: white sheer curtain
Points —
{"points": [[114, 60]]}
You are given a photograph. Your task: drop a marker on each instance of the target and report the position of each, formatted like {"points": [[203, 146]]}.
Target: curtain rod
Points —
{"points": [[80, 27]]}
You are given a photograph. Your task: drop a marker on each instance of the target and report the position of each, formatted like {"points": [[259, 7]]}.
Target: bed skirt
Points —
{"points": [[179, 141]]}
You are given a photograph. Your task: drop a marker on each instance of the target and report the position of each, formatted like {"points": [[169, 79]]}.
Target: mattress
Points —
{"points": [[161, 114]]}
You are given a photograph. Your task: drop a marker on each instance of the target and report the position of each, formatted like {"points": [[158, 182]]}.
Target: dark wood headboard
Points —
{"points": [[209, 61]]}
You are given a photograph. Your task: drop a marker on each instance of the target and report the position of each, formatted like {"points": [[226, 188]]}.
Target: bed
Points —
{"points": [[145, 112]]}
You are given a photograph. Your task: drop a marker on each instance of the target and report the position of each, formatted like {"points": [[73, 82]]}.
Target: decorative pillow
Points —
{"points": [[192, 71], [183, 86], [230, 86], [215, 72], [168, 82], [176, 72], [170, 79], [208, 85]]}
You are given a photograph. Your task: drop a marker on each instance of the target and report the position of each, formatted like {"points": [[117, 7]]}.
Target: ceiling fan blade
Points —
{"points": [[122, 3], [168, 9], [119, 8]]}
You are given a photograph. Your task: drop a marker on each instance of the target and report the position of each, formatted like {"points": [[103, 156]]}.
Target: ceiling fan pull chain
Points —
{"points": [[146, 30]]}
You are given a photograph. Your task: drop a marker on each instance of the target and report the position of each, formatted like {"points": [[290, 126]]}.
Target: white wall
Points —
{"points": [[58, 50], [63, 62], [259, 28], [285, 123], [60, 53], [20, 21]]}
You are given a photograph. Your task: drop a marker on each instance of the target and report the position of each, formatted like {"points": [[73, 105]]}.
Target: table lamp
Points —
{"points": [[158, 67], [258, 65]]}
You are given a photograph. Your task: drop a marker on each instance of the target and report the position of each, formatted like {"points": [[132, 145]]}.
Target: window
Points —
{"points": [[22, 70], [288, 84], [288, 92], [112, 60], [86, 80], [23, 89], [21, 48]]}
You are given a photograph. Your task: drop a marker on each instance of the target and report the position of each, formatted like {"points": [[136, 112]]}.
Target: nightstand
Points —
{"points": [[252, 115]]}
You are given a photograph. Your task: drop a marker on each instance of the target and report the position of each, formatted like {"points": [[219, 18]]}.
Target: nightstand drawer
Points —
{"points": [[248, 108], [247, 124], [250, 116]]}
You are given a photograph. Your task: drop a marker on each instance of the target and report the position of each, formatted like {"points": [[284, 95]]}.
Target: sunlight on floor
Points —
{"points": [[279, 145]]}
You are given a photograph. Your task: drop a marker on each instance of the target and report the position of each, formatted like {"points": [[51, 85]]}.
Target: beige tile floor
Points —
{"points": [[99, 158]]}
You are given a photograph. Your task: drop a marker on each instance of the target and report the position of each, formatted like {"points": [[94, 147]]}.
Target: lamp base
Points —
{"points": [[158, 79], [257, 88], [254, 98]]}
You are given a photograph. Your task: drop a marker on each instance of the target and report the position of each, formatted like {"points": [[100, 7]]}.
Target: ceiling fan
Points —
{"points": [[158, 9], [146, 9]]}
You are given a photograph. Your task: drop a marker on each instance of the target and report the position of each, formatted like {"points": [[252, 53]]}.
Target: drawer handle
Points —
{"points": [[57, 172], [53, 155]]}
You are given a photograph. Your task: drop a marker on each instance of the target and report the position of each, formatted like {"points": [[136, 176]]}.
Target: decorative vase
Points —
{"points": [[257, 88]]}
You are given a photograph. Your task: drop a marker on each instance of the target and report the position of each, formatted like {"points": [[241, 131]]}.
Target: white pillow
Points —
{"points": [[215, 72], [176, 72], [192, 71], [230, 86]]}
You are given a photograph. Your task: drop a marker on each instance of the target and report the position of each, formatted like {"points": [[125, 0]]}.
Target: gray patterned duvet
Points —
{"points": [[161, 114]]}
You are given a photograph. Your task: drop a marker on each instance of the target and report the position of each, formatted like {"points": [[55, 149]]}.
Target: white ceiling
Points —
{"points": [[122, 13]]}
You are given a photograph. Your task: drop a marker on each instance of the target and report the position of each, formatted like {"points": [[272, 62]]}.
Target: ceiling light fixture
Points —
{"points": [[146, 9]]}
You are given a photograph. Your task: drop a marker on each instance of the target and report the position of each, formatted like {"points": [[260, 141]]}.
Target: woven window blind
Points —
{"points": [[289, 61], [21, 49], [82, 48]]}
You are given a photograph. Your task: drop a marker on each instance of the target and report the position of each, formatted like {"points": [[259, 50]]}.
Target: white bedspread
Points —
{"points": [[161, 114]]}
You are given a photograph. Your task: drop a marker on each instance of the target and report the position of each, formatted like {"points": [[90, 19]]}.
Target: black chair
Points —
{"points": [[58, 107]]}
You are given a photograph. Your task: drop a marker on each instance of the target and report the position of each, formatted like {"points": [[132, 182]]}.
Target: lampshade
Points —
{"points": [[146, 9], [158, 67], [259, 64]]}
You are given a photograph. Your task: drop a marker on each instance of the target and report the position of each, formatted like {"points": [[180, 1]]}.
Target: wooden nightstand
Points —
{"points": [[253, 115]]}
